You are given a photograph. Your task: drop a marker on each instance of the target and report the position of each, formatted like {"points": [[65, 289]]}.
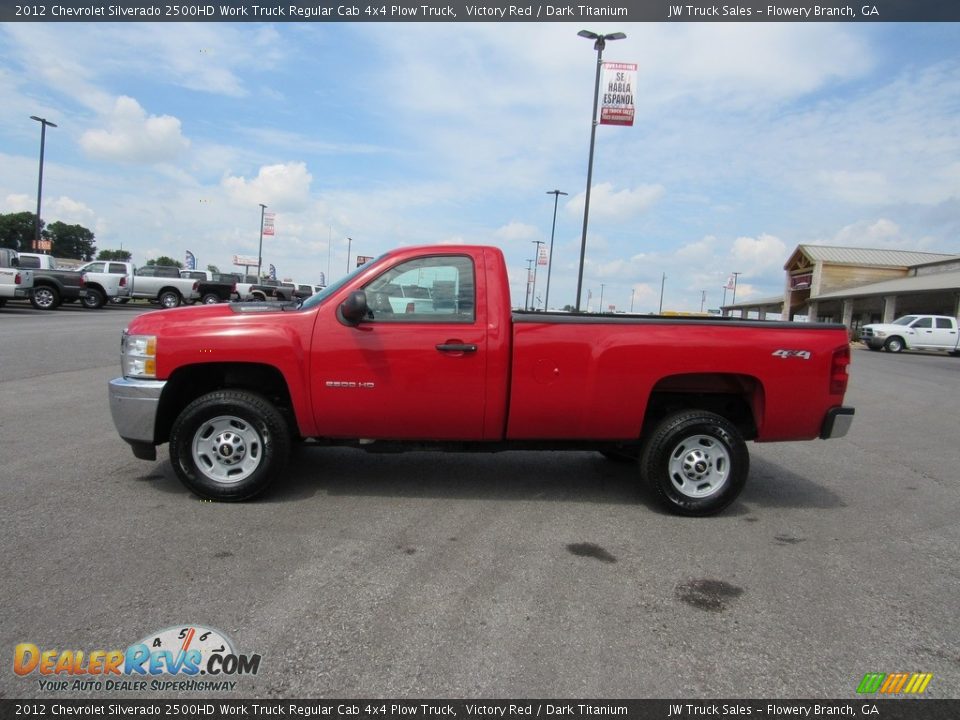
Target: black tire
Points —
{"points": [[170, 299], [697, 461], [210, 299], [893, 344], [45, 297], [120, 300], [229, 445], [3, 302], [873, 347], [94, 299]]}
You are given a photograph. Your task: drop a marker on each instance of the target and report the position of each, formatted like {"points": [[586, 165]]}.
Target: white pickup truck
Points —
{"points": [[14, 282], [914, 332], [106, 280], [163, 284]]}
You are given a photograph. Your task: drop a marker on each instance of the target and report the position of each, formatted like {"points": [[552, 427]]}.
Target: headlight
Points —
{"points": [[880, 333], [138, 355]]}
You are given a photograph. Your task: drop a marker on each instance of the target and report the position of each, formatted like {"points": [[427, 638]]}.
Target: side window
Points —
{"points": [[436, 289], [923, 323], [97, 267], [944, 324]]}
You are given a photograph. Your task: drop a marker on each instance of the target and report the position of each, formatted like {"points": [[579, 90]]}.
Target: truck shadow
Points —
{"points": [[509, 476]]}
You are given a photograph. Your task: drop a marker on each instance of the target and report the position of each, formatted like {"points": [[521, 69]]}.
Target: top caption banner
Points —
{"points": [[439, 11]]}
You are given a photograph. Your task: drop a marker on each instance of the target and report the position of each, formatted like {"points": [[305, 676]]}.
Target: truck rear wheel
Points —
{"points": [[229, 445], [170, 299], [697, 461], [45, 298], [94, 299], [211, 299]]}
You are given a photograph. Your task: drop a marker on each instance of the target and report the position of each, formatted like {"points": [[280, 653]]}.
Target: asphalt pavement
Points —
{"points": [[518, 574]]}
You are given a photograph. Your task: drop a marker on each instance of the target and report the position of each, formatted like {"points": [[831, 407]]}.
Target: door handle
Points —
{"points": [[456, 347]]}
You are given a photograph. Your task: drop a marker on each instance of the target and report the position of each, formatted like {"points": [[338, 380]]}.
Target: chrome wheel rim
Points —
{"points": [[43, 297], [699, 466], [227, 449]]}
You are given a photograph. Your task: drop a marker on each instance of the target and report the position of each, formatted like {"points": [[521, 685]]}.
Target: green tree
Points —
{"points": [[164, 260], [118, 255], [213, 269], [17, 230], [71, 241]]}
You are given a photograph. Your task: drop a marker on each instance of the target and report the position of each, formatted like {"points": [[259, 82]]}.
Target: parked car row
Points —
{"points": [[39, 279]]}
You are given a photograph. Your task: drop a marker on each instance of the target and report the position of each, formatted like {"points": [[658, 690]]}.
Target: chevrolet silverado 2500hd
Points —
{"points": [[420, 349]]}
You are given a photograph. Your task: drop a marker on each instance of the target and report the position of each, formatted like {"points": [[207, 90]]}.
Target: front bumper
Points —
{"points": [[133, 405], [836, 423]]}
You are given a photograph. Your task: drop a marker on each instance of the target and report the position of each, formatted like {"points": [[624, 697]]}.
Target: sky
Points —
{"points": [[749, 139]]}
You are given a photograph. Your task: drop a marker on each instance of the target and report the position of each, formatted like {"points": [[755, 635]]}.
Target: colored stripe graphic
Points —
{"points": [[894, 683]]}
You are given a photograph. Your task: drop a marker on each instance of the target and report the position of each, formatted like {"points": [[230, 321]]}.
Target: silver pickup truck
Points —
{"points": [[163, 284], [15, 284]]}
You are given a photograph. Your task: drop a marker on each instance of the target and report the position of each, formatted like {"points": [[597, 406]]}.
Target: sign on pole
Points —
{"points": [[619, 81], [268, 223], [363, 259], [542, 256]]}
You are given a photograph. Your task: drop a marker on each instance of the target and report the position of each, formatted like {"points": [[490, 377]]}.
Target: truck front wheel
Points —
{"points": [[229, 445], [697, 461], [893, 344], [94, 299]]}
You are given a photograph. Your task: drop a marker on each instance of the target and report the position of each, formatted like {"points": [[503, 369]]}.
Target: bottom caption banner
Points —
{"points": [[926, 709]]}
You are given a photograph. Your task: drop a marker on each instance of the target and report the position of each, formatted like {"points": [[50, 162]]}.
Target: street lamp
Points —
{"points": [[599, 44], [349, 245], [526, 299], [735, 275], [556, 197], [633, 291], [43, 136], [602, 286], [533, 294], [260, 251], [663, 281]]}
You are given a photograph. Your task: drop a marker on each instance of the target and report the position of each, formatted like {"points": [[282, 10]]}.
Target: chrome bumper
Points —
{"points": [[133, 405], [836, 423]]}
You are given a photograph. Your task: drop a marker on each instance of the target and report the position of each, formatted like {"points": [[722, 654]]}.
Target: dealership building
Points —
{"points": [[857, 286]]}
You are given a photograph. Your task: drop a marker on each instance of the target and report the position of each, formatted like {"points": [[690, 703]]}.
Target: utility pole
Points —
{"points": [[735, 276], [349, 245], [633, 291], [260, 250], [663, 281], [602, 286], [703, 299], [526, 300], [556, 197], [533, 294]]}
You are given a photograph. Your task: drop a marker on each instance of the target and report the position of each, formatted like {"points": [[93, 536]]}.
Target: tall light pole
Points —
{"points": [[735, 275], [599, 44], [533, 294], [703, 299], [556, 197], [663, 281], [602, 286], [633, 291], [43, 137], [349, 245], [260, 251]]}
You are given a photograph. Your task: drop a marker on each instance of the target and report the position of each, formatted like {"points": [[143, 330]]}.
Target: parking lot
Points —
{"points": [[484, 576]]}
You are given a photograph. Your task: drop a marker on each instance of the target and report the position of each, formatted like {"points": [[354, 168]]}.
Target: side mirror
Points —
{"points": [[354, 308]]}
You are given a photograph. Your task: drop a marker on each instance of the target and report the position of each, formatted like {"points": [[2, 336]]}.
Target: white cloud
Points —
{"points": [[609, 204], [516, 231], [759, 255], [281, 187], [134, 137]]}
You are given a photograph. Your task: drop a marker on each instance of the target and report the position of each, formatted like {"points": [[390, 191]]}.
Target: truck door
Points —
{"points": [[944, 335], [415, 368]]}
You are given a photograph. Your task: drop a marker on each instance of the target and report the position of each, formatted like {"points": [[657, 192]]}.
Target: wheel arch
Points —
{"points": [[738, 398], [188, 383]]}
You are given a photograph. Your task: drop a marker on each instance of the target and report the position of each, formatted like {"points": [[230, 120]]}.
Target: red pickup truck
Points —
{"points": [[420, 348]]}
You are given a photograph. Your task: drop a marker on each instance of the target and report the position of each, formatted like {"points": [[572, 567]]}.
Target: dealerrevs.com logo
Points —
{"points": [[180, 658]]}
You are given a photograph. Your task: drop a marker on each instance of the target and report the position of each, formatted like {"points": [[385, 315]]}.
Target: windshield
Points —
{"points": [[329, 290], [906, 320]]}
